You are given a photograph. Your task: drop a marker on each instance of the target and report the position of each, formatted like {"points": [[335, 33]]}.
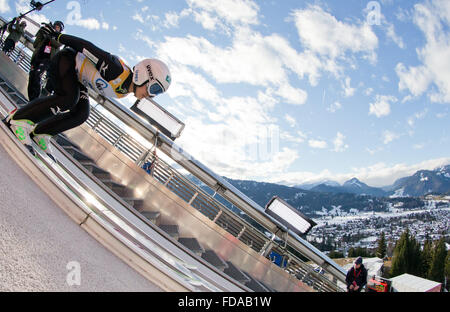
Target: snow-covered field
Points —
{"points": [[337, 216]]}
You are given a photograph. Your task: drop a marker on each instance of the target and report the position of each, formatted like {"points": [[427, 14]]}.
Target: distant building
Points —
{"points": [[411, 283]]}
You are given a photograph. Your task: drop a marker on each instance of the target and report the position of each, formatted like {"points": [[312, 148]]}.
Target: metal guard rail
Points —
{"points": [[252, 235]]}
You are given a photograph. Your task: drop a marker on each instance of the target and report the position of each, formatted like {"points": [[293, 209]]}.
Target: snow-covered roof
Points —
{"points": [[410, 283]]}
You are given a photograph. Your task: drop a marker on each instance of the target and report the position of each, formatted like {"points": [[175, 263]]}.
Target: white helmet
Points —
{"points": [[154, 73]]}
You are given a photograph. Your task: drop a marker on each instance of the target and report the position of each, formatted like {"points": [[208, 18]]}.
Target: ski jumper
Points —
{"points": [[78, 66], [44, 50]]}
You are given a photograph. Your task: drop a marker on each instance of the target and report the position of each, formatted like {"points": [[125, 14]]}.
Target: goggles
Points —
{"points": [[154, 89]]}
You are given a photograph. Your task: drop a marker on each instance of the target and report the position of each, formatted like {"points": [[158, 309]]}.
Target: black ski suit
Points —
{"points": [[44, 49], [356, 277], [69, 106]]}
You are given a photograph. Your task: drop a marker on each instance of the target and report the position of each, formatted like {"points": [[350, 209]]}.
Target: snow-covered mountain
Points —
{"points": [[423, 182], [309, 186], [347, 197], [307, 201], [353, 186]]}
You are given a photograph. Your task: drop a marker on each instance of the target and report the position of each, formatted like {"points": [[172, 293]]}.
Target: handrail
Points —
{"points": [[248, 233]]}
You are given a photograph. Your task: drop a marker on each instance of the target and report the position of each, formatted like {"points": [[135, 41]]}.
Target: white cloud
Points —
{"points": [[239, 63], [417, 116], [407, 98], [322, 33], [138, 17], [208, 22], [403, 14], [348, 90], [390, 32], [389, 136], [334, 107], [139, 35], [89, 23], [389, 28], [293, 138], [290, 120], [317, 144], [171, 19], [381, 107], [302, 64], [189, 84], [292, 95], [339, 145], [234, 12], [151, 21], [372, 151], [217, 14], [300, 134], [246, 139], [415, 79], [251, 145], [4, 7], [379, 174], [432, 18], [368, 91]]}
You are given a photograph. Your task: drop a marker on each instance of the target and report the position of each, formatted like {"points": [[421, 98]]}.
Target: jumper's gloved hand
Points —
{"points": [[49, 31]]}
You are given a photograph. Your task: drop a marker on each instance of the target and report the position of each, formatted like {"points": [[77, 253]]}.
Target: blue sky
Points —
{"points": [[289, 91]]}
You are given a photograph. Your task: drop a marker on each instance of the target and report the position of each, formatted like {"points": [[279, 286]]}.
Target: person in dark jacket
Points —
{"points": [[356, 277], [45, 48], [16, 30]]}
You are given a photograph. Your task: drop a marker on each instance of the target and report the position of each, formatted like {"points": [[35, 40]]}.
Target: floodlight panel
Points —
{"points": [[160, 116], [287, 214]]}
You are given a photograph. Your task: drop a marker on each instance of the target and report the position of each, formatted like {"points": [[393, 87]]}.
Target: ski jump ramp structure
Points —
{"points": [[175, 234]]}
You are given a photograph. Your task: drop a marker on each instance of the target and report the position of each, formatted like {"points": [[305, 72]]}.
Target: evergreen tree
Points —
{"points": [[359, 251], [351, 252], [407, 256], [381, 249], [335, 254], [414, 257], [399, 258], [427, 257], [447, 269], [437, 268]]}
